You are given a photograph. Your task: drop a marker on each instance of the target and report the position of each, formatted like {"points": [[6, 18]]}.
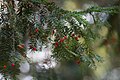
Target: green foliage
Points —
{"points": [[20, 25]]}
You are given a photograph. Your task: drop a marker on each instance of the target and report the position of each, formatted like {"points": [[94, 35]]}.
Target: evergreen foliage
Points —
{"points": [[40, 21]]}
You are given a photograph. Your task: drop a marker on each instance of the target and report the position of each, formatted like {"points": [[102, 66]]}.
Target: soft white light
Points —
{"points": [[43, 58], [24, 77], [24, 67]]}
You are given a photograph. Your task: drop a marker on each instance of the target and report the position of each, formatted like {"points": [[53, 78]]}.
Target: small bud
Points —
{"points": [[76, 38], [31, 46], [67, 47], [62, 40], [56, 44], [77, 61], [79, 36], [53, 32], [36, 30], [12, 64], [5, 66], [34, 49], [73, 35]]}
